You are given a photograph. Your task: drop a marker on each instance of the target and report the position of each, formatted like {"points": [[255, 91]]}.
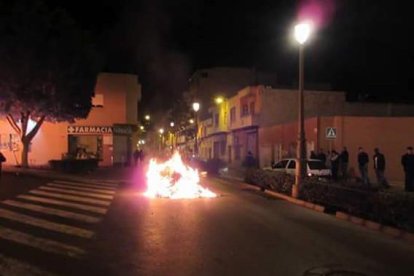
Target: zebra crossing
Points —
{"points": [[55, 218]]}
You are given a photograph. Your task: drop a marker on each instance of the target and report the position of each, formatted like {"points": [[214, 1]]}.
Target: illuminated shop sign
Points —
{"points": [[89, 130]]}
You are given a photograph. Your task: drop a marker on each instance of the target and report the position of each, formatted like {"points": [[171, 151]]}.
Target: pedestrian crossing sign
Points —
{"points": [[331, 132]]}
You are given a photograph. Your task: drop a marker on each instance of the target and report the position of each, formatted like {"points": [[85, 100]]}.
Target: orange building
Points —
{"points": [[109, 133]]}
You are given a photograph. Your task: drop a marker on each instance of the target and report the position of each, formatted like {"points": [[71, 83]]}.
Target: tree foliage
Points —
{"points": [[48, 67]]}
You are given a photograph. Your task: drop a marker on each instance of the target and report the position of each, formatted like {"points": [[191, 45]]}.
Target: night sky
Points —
{"points": [[361, 46]]}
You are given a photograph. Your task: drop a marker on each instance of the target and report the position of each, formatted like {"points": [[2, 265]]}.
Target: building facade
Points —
{"points": [[108, 133], [263, 121]]}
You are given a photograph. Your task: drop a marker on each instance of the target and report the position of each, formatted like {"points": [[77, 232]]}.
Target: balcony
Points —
{"points": [[245, 121]]}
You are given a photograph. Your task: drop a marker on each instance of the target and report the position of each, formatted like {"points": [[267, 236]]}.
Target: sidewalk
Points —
{"points": [[107, 174]]}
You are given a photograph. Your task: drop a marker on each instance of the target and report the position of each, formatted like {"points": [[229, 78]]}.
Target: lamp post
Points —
{"points": [[302, 32], [196, 108]]}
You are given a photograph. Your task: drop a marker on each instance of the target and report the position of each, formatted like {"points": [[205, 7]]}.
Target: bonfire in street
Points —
{"points": [[173, 179]]}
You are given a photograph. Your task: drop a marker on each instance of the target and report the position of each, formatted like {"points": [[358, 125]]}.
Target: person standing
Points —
{"points": [[363, 165], [322, 156], [379, 167], [2, 159], [344, 161], [136, 156], [334, 164], [407, 161]]}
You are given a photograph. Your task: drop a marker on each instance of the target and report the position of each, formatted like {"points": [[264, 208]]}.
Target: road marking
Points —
{"points": [[74, 192], [79, 206], [10, 266], [52, 211], [40, 243], [96, 185], [79, 185], [69, 197], [45, 224], [99, 191]]}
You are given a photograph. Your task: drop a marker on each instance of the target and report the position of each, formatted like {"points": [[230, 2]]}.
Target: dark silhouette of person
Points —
{"points": [[313, 155], [2, 159], [136, 156], [407, 161], [379, 167], [334, 164], [322, 156], [249, 160], [363, 160], [344, 161]]}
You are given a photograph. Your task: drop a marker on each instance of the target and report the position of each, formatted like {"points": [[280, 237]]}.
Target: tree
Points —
{"points": [[48, 68]]}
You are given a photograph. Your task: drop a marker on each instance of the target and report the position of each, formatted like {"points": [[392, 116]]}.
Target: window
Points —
{"points": [[216, 119], [98, 100], [232, 114], [252, 111], [292, 164], [244, 110], [280, 165]]}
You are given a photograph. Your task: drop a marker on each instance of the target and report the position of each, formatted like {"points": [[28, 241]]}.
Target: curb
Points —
{"points": [[371, 225]]}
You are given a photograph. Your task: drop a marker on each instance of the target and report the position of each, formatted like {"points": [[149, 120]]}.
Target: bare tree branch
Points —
{"points": [[14, 124], [34, 131]]}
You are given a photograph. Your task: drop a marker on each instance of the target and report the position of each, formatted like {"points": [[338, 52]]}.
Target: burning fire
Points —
{"points": [[173, 179]]}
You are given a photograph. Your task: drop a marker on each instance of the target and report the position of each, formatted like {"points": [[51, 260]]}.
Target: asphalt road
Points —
{"points": [[115, 230]]}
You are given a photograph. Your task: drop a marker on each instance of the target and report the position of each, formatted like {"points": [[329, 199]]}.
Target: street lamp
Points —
{"points": [[302, 33], [161, 131], [196, 108], [141, 128], [219, 100], [172, 124], [147, 117]]}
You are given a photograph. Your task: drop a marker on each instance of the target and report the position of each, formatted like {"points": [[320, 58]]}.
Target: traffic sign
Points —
{"points": [[331, 132]]}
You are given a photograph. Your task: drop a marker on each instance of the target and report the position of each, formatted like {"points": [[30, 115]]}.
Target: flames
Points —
{"points": [[173, 179]]}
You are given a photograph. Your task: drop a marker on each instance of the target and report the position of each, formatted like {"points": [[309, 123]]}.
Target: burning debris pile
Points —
{"points": [[173, 179]]}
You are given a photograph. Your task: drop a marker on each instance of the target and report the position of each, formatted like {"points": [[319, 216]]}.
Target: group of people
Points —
{"points": [[338, 163], [138, 156]]}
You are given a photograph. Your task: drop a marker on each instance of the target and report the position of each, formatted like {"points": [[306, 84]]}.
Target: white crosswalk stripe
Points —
{"points": [[42, 223], [93, 185], [98, 191], [79, 206], [69, 197], [52, 211], [40, 243], [10, 266], [76, 202], [74, 192]]}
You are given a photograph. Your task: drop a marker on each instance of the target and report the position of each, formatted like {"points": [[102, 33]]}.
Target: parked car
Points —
{"points": [[314, 167]]}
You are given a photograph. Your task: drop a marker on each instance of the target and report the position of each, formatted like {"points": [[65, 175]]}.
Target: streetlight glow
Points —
{"points": [[161, 130], [141, 127], [196, 106], [302, 32], [191, 121], [147, 117], [172, 124], [219, 100]]}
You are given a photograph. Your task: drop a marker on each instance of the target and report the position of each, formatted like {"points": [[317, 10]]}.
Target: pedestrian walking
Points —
{"points": [[407, 161], [136, 156], [379, 167], [334, 164], [2, 159], [363, 160], [344, 161]]}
